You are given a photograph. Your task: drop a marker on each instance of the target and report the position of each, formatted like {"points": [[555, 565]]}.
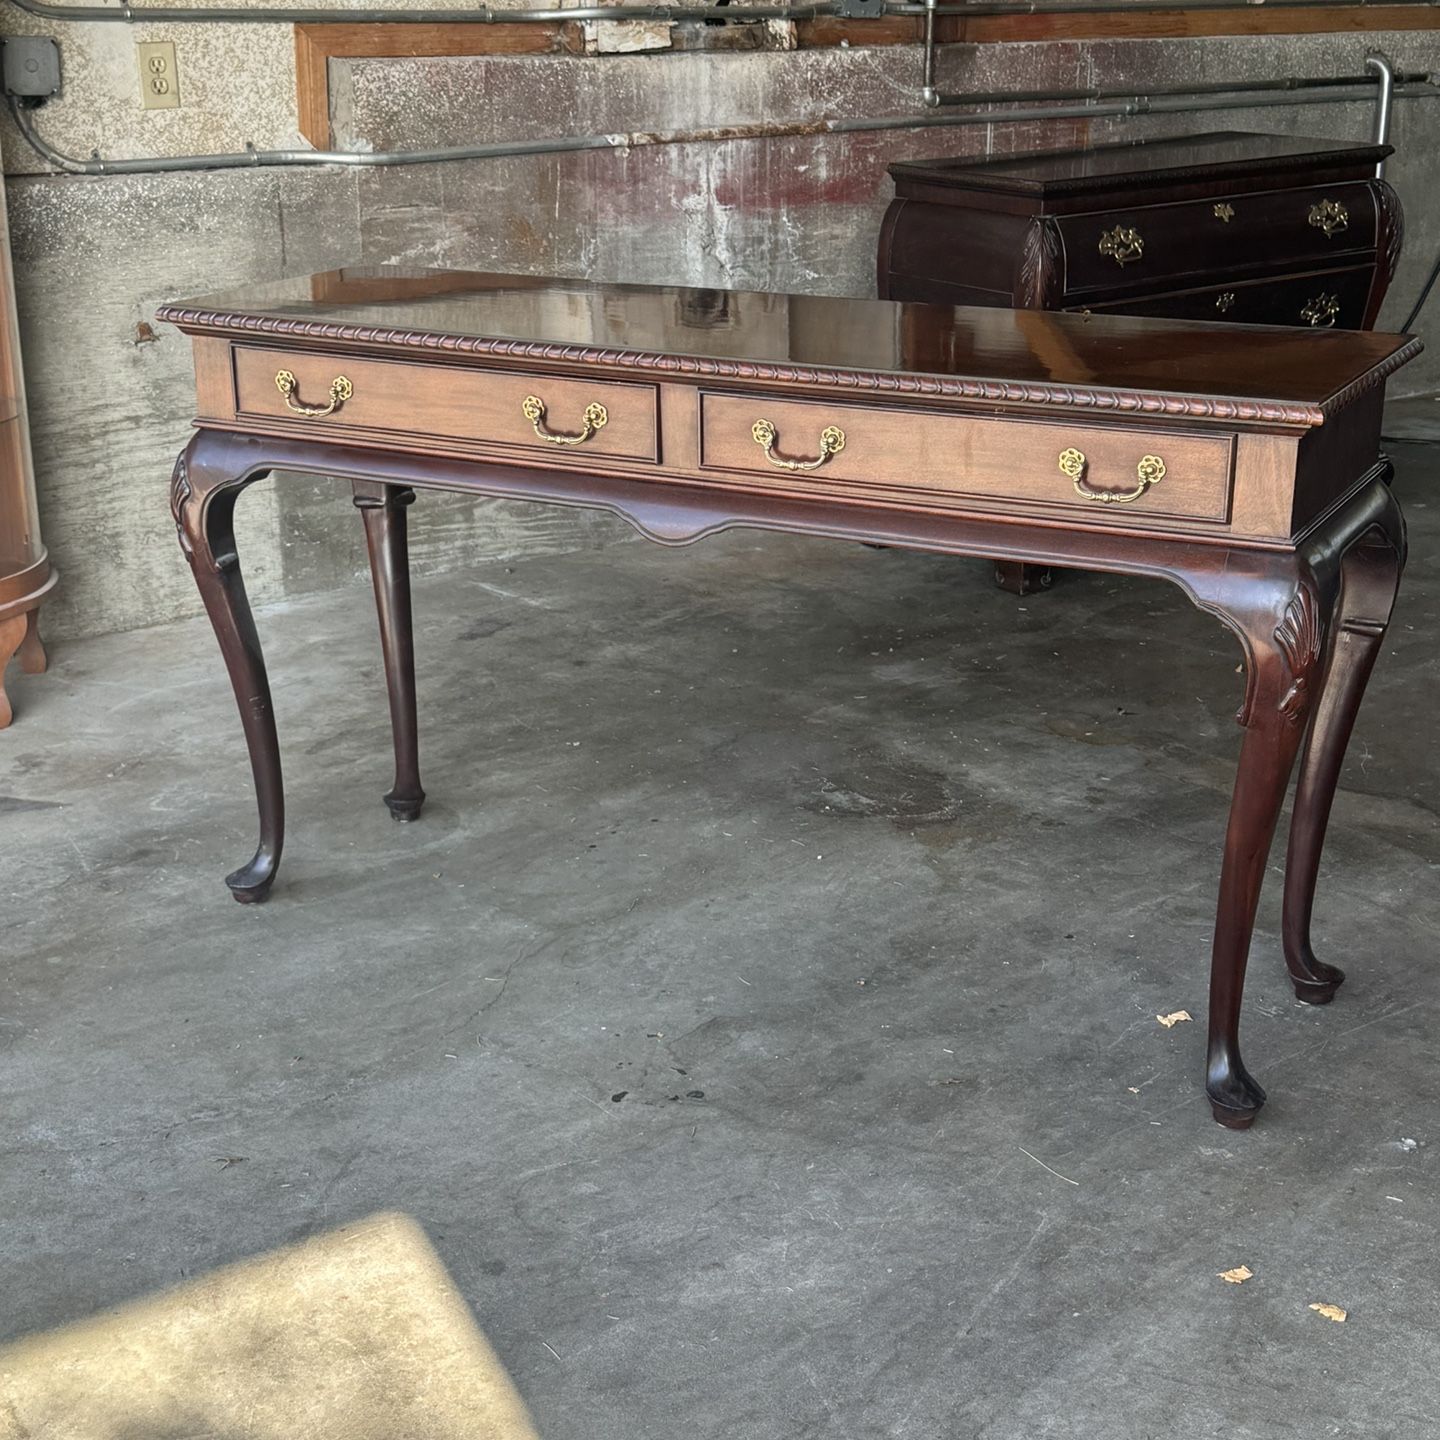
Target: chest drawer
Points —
{"points": [[1157, 244], [319, 394], [1108, 474], [1326, 300]]}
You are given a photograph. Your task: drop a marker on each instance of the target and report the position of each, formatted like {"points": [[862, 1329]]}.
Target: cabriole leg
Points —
{"points": [[202, 496], [1370, 576], [382, 507], [1285, 631], [33, 659], [12, 635]]}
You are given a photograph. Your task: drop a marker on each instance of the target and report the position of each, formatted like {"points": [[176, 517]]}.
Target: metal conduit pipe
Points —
{"points": [[1109, 7], [249, 159], [1223, 87], [1379, 65], [487, 15], [127, 14], [927, 83]]}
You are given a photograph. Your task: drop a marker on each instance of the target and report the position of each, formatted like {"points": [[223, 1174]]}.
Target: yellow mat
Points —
{"points": [[355, 1335]]}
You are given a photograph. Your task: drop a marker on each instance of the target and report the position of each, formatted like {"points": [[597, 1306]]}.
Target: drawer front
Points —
{"points": [[1234, 234], [1333, 299], [480, 407], [951, 459]]}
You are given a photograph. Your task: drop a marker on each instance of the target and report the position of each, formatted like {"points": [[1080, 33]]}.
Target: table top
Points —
{"points": [[1218, 155], [1279, 375]]}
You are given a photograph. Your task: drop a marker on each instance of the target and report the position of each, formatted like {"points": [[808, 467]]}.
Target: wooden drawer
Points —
{"points": [[1263, 230], [953, 458], [1327, 299], [480, 407]]}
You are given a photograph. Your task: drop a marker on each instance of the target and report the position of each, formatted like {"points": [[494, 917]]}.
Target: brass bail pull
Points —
{"points": [[1150, 471], [1321, 311], [340, 391], [596, 417], [1330, 217], [1122, 244], [764, 434]]}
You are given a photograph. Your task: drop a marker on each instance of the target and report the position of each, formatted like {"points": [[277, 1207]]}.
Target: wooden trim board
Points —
{"points": [[317, 45]]}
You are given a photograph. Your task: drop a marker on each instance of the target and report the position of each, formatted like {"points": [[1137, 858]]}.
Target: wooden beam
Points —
{"points": [[1143, 24], [317, 45], [312, 86], [1136, 24], [888, 30]]}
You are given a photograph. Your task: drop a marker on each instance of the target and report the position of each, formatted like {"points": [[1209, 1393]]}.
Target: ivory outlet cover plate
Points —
{"points": [[159, 79]]}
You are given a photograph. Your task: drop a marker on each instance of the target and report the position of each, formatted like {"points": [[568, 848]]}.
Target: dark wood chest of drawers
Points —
{"points": [[1244, 228]]}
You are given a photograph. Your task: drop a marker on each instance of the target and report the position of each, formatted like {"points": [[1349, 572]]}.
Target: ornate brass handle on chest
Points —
{"points": [[1330, 216], [340, 391], [1225, 301], [1122, 244], [1321, 311], [596, 417], [1150, 471], [1223, 212], [764, 433]]}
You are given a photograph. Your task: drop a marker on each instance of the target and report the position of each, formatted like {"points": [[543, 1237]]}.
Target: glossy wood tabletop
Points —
{"points": [[1275, 372]]}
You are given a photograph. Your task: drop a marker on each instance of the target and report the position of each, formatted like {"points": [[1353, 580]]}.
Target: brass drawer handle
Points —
{"points": [[1322, 311], [832, 442], [1150, 471], [1225, 301], [1223, 213], [596, 417], [340, 391], [1122, 244], [1330, 216]]}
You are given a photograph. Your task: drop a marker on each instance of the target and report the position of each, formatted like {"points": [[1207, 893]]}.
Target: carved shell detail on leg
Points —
{"points": [[180, 493], [1299, 637]]}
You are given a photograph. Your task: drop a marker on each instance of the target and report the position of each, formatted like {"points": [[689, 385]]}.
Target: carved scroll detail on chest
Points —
{"points": [[1390, 228], [1042, 271]]}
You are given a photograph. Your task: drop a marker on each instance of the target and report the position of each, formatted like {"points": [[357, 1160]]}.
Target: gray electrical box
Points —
{"points": [[31, 65]]}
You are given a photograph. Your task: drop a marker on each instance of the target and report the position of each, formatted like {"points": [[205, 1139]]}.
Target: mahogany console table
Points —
{"points": [[1243, 465]]}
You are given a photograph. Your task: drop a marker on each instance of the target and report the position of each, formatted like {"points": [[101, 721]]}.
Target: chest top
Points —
{"points": [[1146, 172]]}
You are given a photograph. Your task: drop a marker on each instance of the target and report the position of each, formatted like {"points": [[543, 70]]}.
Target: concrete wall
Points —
{"points": [[110, 394]]}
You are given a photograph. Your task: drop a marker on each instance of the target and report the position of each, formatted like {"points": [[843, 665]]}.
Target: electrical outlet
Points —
{"points": [[159, 79]]}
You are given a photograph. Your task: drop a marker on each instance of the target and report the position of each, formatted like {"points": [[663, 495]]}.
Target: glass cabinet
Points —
{"points": [[25, 573]]}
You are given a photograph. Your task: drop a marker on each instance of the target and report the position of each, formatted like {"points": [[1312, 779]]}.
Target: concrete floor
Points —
{"points": [[761, 1021]]}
